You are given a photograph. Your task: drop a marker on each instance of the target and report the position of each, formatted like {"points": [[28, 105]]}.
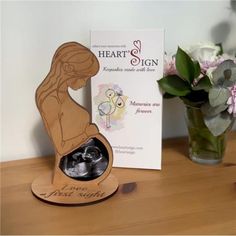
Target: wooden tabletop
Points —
{"points": [[182, 198]]}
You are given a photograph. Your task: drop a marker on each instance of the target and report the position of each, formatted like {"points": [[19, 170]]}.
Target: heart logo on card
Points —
{"points": [[137, 44]]}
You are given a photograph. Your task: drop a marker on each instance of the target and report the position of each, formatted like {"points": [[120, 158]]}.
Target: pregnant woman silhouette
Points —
{"points": [[82, 153]]}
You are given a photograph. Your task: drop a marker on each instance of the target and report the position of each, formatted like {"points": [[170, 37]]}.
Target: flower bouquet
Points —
{"points": [[205, 80]]}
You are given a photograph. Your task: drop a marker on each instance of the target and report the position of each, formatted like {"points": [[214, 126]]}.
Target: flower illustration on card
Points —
{"points": [[111, 107]]}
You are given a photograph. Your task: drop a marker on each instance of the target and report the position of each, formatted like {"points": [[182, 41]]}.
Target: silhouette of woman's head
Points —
{"points": [[78, 64], [72, 65]]}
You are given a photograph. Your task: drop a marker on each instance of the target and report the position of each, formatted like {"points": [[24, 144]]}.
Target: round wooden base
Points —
{"points": [[73, 193]]}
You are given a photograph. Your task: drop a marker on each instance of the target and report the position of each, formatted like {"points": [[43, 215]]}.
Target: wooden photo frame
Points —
{"points": [[83, 156]]}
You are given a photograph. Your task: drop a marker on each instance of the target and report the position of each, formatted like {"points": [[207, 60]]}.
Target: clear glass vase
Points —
{"points": [[204, 147]]}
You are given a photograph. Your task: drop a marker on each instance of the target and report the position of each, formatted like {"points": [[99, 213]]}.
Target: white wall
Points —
{"points": [[31, 32]]}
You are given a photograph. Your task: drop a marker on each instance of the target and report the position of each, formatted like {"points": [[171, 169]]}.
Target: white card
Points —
{"points": [[126, 100]]}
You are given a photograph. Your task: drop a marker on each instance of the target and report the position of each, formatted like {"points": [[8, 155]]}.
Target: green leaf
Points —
{"points": [[208, 110], [218, 124], [197, 97], [232, 80], [233, 74], [218, 96], [190, 103], [174, 85], [228, 83], [221, 49], [222, 71], [203, 84], [185, 65], [197, 69]]}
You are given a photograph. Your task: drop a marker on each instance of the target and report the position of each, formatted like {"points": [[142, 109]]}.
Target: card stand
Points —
{"points": [[83, 156]]}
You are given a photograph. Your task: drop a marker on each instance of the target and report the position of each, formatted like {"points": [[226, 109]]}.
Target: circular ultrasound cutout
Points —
{"points": [[88, 162]]}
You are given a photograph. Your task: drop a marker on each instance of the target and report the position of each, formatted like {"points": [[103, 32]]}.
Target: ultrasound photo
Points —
{"points": [[87, 162]]}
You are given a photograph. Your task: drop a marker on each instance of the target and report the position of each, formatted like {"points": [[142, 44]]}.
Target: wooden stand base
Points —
{"points": [[70, 194]]}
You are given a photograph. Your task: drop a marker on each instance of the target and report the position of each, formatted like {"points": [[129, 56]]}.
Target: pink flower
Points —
{"points": [[232, 101], [169, 66], [206, 65]]}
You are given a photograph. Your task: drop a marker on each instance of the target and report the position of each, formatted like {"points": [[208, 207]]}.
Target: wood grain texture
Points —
{"points": [[67, 123], [182, 198], [69, 126]]}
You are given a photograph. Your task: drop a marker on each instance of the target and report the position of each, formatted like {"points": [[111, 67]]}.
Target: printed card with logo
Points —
{"points": [[126, 100]]}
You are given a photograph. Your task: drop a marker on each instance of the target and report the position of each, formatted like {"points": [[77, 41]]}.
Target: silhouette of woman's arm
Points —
{"points": [[52, 118]]}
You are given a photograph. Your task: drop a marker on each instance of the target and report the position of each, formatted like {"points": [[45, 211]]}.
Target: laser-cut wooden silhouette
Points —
{"points": [[83, 156]]}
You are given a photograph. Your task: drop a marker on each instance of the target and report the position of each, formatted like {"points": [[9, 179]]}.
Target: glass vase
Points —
{"points": [[204, 147]]}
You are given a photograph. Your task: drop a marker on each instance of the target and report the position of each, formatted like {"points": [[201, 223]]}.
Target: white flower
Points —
{"points": [[232, 101], [209, 71], [204, 52]]}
